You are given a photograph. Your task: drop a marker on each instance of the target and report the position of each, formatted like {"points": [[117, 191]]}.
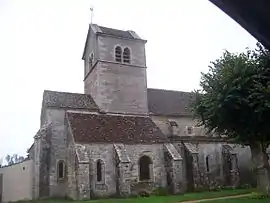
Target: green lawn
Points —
{"points": [[241, 200], [159, 199], [175, 198]]}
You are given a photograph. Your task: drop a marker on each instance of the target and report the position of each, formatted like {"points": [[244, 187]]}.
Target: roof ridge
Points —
{"points": [[54, 91], [108, 114], [169, 90], [111, 28]]}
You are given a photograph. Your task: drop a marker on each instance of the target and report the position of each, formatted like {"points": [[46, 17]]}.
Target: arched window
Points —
{"points": [[227, 156], [100, 170], [118, 54], [126, 55], [189, 130], [61, 170], [207, 163], [230, 163], [91, 60], [145, 163]]}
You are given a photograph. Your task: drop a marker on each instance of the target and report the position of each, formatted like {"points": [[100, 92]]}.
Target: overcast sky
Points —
{"points": [[41, 45]]}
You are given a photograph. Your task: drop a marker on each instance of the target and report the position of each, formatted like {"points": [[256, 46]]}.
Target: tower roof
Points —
{"points": [[111, 32], [115, 32]]}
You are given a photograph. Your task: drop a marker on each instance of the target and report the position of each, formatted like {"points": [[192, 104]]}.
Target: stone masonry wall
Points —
{"points": [[123, 179], [105, 152], [173, 166], [118, 88], [83, 181], [123, 164], [91, 83], [44, 165], [72, 168], [106, 46], [58, 149], [180, 148], [41, 161], [90, 48], [36, 168], [214, 177], [91, 154], [158, 173], [245, 165], [182, 122]]}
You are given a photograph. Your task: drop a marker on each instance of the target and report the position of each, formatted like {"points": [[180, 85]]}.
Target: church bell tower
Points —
{"points": [[115, 70]]}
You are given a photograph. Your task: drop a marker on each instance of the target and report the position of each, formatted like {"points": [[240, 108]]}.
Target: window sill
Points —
{"points": [[61, 180], [100, 182], [101, 186], [145, 181]]}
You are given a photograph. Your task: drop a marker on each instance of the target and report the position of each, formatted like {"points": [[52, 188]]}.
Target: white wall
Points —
{"points": [[17, 181]]}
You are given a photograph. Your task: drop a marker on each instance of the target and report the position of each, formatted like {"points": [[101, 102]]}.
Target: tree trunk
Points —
{"points": [[261, 166]]}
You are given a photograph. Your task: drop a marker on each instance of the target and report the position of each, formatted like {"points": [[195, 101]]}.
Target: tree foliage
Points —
{"points": [[235, 96], [13, 159]]}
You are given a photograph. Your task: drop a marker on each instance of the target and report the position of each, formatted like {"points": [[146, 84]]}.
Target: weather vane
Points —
{"points": [[92, 11]]}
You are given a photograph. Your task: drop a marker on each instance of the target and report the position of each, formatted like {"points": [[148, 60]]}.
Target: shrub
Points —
{"points": [[160, 191], [144, 193], [244, 186], [259, 196]]}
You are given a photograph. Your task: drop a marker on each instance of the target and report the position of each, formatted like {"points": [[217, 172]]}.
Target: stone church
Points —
{"points": [[122, 138]]}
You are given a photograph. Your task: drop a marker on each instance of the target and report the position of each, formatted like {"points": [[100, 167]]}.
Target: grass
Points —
{"points": [[254, 198], [175, 198], [159, 199], [241, 200]]}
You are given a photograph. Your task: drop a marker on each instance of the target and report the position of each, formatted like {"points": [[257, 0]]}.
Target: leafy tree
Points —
{"points": [[13, 159], [20, 159], [9, 160], [1, 162], [234, 100]]}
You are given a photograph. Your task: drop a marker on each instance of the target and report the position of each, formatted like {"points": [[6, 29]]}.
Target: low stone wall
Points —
{"points": [[17, 181]]}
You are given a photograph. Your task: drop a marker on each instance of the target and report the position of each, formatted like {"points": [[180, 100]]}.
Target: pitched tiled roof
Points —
{"points": [[116, 33], [68, 100], [104, 128], [169, 103], [100, 30]]}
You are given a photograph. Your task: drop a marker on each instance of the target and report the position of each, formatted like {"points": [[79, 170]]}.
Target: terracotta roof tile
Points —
{"points": [[169, 103], [99, 128]]}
